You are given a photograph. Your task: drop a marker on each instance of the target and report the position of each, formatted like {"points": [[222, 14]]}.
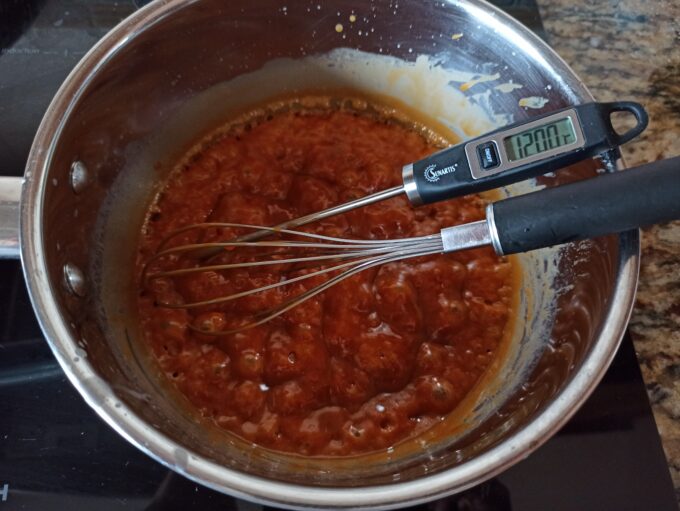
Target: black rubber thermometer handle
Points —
{"points": [[606, 204], [542, 146]]}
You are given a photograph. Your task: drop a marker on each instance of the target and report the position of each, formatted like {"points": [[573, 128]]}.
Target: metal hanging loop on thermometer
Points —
{"points": [[508, 155]]}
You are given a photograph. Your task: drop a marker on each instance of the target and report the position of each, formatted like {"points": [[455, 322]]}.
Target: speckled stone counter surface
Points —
{"points": [[630, 49]]}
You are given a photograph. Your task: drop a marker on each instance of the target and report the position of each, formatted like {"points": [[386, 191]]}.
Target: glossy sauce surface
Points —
{"points": [[373, 360]]}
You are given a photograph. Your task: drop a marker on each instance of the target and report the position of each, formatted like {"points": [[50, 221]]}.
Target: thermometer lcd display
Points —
{"points": [[540, 139]]}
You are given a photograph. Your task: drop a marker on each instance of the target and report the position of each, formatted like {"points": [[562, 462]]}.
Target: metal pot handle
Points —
{"points": [[10, 195]]}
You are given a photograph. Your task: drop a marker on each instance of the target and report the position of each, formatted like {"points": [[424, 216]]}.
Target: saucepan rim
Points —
{"points": [[100, 396]]}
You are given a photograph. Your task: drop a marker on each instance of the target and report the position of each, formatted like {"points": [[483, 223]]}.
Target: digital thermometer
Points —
{"points": [[520, 151], [514, 153]]}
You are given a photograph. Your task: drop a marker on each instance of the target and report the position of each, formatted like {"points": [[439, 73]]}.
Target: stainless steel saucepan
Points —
{"points": [[147, 90]]}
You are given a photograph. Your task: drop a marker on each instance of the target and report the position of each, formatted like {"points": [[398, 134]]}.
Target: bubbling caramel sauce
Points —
{"points": [[374, 360]]}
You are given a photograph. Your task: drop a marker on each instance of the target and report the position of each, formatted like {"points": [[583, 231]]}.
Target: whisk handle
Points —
{"points": [[608, 204]]}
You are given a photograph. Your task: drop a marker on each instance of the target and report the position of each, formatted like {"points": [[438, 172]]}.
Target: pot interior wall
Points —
{"points": [[148, 85]]}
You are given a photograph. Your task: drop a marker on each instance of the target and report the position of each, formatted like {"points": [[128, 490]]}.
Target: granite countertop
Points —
{"points": [[630, 49]]}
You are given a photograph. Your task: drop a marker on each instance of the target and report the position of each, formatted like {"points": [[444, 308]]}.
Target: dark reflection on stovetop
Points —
{"points": [[55, 452]]}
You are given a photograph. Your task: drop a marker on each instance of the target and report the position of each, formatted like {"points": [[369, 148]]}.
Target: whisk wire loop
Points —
{"points": [[338, 258]]}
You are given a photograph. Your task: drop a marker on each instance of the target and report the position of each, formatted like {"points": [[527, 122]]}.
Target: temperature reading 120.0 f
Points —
{"points": [[540, 139]]}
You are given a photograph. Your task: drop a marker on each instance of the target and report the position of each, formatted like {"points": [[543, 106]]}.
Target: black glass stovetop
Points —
{"points": [[57, 454]]}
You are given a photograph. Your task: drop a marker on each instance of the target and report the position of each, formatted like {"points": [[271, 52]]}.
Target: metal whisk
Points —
{"points": [[607, 204], [322, 254]]}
